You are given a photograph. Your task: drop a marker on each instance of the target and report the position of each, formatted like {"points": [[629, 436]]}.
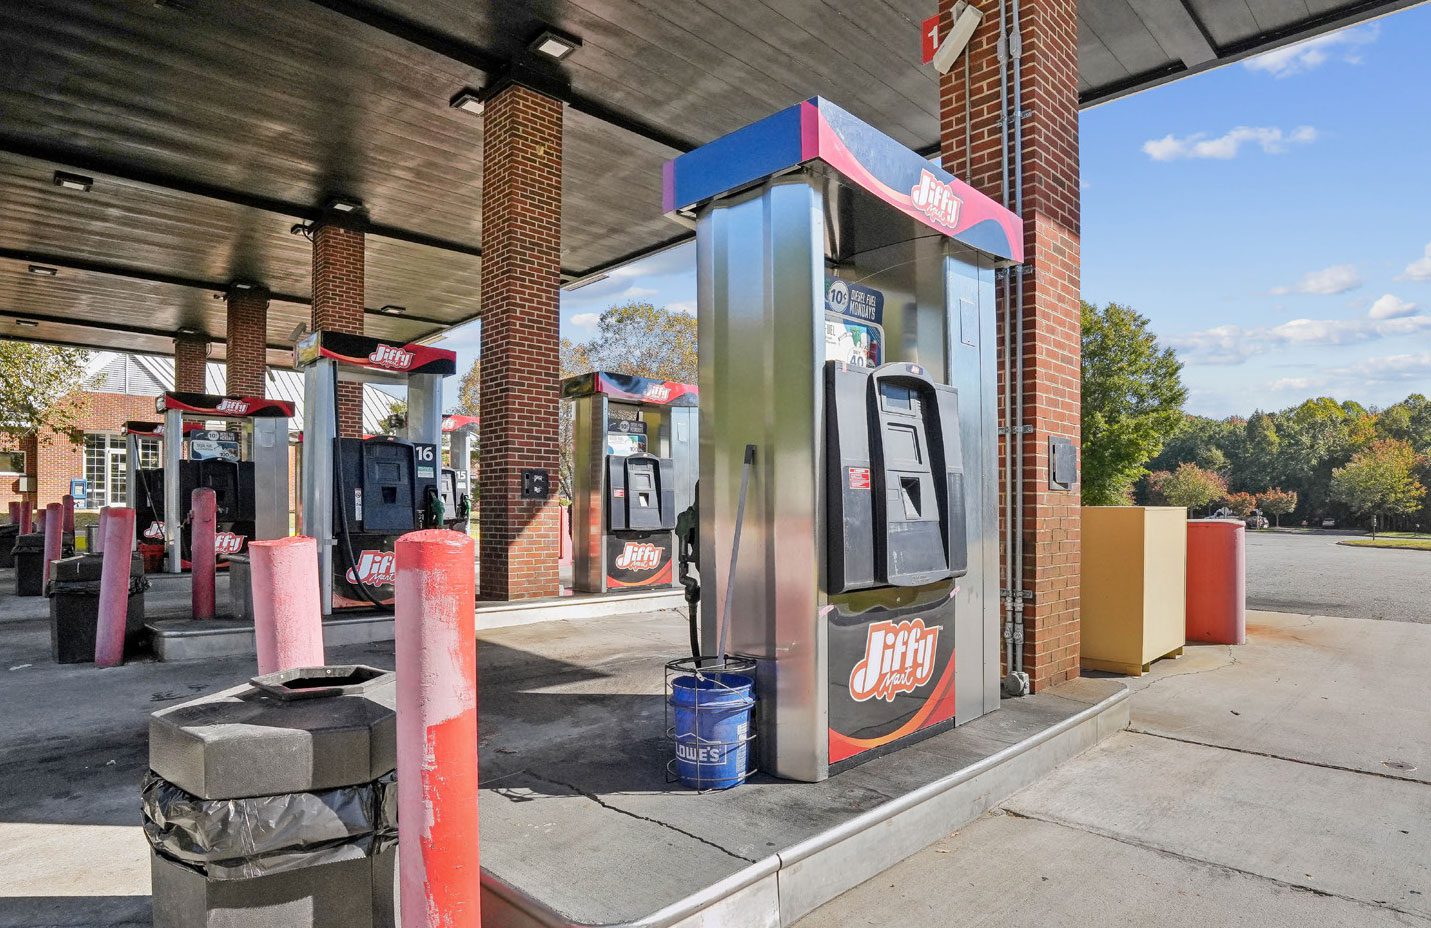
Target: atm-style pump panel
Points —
{"points": [[895, 478], [641, 493], [385, 483]]}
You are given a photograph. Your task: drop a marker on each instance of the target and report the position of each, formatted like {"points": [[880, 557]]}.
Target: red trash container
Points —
{"points": [[1217, 581]]}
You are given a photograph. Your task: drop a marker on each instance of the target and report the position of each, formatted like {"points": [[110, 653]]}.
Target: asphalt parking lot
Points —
{"points": [[1313, 575]]}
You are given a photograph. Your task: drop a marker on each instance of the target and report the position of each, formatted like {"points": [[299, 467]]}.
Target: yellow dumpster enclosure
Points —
{"points": [[1134, 593]]}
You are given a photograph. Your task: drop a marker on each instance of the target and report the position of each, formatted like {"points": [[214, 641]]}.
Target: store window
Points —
{"points": [[12, 462], [105, 460]]}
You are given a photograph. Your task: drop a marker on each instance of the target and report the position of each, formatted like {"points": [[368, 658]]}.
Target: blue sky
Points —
{"points": [[1272, 218]]}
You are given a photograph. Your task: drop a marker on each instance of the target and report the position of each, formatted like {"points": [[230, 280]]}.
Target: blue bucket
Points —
{"points": [[712, 728]]}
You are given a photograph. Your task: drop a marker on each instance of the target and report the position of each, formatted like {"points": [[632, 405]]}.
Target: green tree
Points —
{"points": [[1380, 481], [1191, 486], [1277, 502], [1198, 440], [40, 390], [1258, 454], [1132, 399]]}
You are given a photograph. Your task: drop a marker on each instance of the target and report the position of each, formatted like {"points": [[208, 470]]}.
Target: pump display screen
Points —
{"points": [[896, 397]]}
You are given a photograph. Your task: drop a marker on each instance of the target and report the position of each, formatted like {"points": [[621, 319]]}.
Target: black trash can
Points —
{"points": [[274, 804], [74, 609], [29, 556], [8, 534]]}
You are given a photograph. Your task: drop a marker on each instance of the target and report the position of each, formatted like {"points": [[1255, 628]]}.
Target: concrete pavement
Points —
{"points": [[1284, 782], [1312, 574]]}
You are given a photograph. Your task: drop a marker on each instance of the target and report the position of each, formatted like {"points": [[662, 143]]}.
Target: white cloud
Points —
{"points": [[636, 293], [1234, 344], [1391, 307], [1396, 368], [1345, 45], [585, 319], [1420, 269], [1292, 383], [1270, 139], [1339, 278], [682, 306]]}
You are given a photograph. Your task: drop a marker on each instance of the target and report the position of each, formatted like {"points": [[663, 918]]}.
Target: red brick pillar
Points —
{"points": [[247, 358], [1049, 315], [338, 301], [521, 244], [191, 354]]}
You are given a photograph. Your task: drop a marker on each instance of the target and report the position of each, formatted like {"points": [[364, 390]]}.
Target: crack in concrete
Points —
{"points": [[1232, 662], [644, 818], [1283, 757], [1178, 855]]}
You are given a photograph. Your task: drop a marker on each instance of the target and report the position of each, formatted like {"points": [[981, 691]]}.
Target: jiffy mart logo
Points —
{"points": [[899, 657], [657, 393], [375, 568], [639, 555], [228, 543], [237, 407], [391, 356], [937, 200]]}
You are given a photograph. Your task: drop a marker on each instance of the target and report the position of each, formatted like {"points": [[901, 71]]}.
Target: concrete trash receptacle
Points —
{"points": [[74, 608], [274, 804], [29, 556], [1217, 581]]}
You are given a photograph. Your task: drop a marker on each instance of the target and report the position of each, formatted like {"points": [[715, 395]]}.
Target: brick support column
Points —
{"points": [[338, 281], [247, 359], [521, 244], [191, 354], [1049, 316]]}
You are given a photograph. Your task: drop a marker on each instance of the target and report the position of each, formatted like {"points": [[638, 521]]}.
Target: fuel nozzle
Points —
{"points": [[433, 510]]}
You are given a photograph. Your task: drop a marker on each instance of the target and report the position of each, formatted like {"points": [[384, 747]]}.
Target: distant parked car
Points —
{"points": [[1329, 523], [1257, 520]]}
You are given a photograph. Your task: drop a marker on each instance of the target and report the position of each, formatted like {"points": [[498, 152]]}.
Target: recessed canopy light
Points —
{"points": [[73, 181], [585, 282], [555, 45], [344, 204], [26, 323], [185, 330], [468, 102], [393, 310], [43, 271], [242, 285]]}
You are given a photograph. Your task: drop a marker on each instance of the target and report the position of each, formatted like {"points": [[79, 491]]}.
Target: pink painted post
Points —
{"points": [[27, 524], [15, 513], [114, 588], [203, 524], [68, 502], [54, 535], [439, 874], [99, 535], [287, 610]]}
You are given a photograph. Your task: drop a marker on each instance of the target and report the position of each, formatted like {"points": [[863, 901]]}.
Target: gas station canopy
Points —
{"points": [[190, 137]]}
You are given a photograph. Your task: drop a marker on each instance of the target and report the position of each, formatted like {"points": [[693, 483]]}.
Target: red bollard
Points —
{"points": [[54, 537], [27, 524], [204, 520], [287, 610], [114, 588], [99, 534], [68, 502], [439, 874], [14, 513]]}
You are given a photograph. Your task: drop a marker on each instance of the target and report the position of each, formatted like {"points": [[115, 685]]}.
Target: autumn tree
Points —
{"points": [[1190, 486], [1277, 502], [1132, 401], [469, 391], [41, 390], [1380, 481], [1242, 505]]}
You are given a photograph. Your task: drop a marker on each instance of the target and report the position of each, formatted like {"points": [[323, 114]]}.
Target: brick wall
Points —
{"points": [[338, 280], [246, 360], [1050, 313], [521, 245], [53, 462], [191, 354]]}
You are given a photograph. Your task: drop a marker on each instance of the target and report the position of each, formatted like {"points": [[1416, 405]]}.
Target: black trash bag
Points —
{"points": [[239, 839]]}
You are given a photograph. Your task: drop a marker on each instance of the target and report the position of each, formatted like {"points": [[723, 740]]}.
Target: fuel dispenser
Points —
{"points": [[144, 486], [460, 433], [360, 494], [847, 332], [635, 471], [245, 464]]}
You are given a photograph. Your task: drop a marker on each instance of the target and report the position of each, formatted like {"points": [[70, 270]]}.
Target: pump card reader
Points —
{"points": [[896, 478]]}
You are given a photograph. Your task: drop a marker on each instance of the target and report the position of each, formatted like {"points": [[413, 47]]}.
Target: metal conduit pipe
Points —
{"points": [[1010, 659]]}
